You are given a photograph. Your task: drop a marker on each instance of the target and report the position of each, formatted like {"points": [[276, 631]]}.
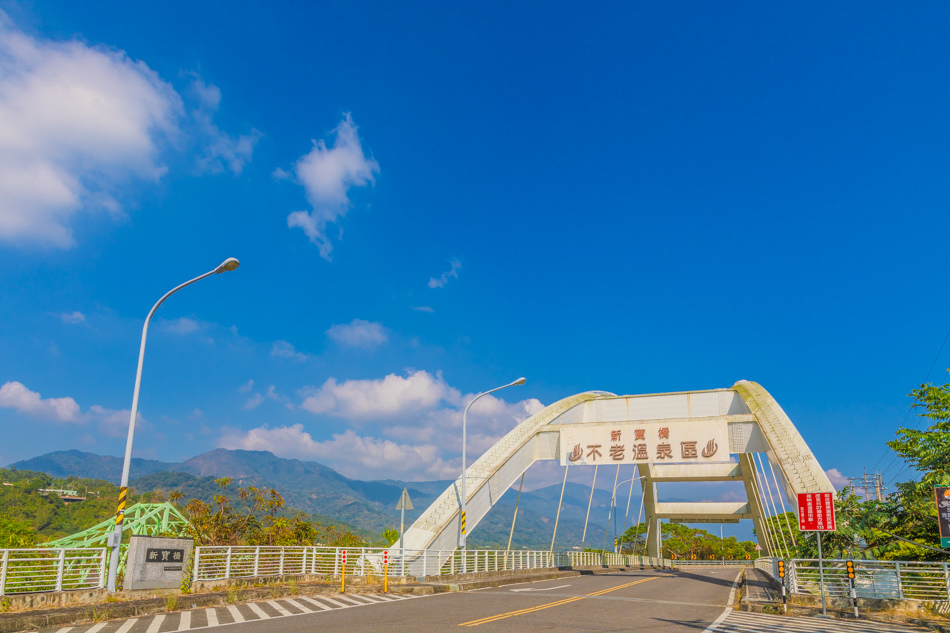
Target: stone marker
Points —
{"points": [[156, 562]]}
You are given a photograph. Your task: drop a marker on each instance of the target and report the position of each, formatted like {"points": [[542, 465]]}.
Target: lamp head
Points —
{"points": [[227, 265], [520, 381]]}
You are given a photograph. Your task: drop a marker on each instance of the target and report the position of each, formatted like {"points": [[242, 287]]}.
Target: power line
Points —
{"points": [[929, 372]]}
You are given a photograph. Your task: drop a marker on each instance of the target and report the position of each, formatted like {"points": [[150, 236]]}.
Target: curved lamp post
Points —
{"points": [[115, 539], [462, 533]]}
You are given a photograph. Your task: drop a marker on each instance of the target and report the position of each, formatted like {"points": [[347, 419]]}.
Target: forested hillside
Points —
{"points": [[30, 517]]}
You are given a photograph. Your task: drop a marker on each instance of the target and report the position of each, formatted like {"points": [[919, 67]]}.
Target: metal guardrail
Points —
{"points": [[47, 569], [901, 580], [678, 562], [225, 562]]}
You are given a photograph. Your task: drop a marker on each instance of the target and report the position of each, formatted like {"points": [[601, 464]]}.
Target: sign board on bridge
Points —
{"points": [[645, 443], [943, 514], [816, 512]]}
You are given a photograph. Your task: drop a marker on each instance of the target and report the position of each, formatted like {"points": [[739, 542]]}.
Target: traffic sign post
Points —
{"points": [[343, 575], [816, 513], [854, 594], [405, 503], [781, 575]]}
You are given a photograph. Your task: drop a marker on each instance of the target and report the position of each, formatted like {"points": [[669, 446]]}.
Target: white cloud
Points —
{"points": [[257, 399], [389, 396], [115, 422], [365, 457], [15, 395], [112, 422], [423, 309], [184, 325], [75, 122], [73, 317], [246, 386], [327, 174], [411, 415], [80, 124], [283, 349], [444, 277], [222, 151], [253, 402], [359, 333], [838, 480]]}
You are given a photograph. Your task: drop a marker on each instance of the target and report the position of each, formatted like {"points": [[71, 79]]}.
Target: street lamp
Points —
{"points": [[613, 508], [115, 539], [520, 381]]}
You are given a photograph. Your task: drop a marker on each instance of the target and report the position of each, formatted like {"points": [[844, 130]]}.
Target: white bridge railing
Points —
{"points": [[729, 562], [224, 562], [51, 569], [901, 580]]}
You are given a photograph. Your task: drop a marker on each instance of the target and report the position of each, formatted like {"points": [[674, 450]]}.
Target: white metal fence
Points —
{"points": [[221, 562], [903, 580], [726, 562], [49, 569]]}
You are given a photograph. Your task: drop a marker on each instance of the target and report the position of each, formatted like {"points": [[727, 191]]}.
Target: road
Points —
{"points": [[651, 601]]}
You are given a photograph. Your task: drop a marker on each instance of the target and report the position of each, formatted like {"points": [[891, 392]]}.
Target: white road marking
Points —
{"points": [[185, 623], [126, 626], [212, 618], [237, 615], [279, 608], [297, 605], [156, 623], [339, 604], [315, 603], [545, 589], [97, 627], [732, 596], [65, 629], [349, 599], [260, 612]]}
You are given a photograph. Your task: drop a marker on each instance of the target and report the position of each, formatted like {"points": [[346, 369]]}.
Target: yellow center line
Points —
{"points": [[510, 614]]}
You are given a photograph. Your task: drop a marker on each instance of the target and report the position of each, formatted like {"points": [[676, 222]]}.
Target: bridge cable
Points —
{"points": [[612, 507], [626, 516], [643, 495], [514, 518], [584, 537], [765, 502], [791, 534], [757, 500], [561, 500], [765, 479]]}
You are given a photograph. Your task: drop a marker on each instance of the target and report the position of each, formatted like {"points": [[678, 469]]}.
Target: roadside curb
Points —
{"points": [[35, 619]]}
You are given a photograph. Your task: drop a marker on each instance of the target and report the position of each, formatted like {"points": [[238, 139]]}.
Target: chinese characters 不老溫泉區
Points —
{"points": [[630, 443]]}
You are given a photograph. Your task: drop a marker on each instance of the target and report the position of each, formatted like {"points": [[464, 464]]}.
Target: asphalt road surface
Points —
{"points": [[655, 601], [649, 601]]}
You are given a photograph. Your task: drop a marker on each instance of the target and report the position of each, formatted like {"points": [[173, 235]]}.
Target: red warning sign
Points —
{"points": [[816, 512]]}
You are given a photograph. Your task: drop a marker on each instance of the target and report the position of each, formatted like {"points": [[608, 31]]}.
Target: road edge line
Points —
{"points": [[732, 596]]}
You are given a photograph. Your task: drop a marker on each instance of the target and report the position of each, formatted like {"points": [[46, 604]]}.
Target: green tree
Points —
{"points": [[893, 526], [390, 535]]}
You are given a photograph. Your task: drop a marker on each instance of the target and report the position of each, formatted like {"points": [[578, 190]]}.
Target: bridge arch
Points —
{"points": [[755, 422]]}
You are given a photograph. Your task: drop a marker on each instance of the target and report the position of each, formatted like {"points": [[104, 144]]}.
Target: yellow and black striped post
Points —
{"points": [[120, 513], [463, 521]]}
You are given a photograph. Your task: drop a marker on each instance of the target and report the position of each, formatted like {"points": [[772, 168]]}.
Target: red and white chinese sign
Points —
{"points": [[816, 512], [645, 442]]}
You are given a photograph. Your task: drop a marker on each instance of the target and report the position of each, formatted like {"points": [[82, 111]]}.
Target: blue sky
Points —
{"points": [[432, 200]]}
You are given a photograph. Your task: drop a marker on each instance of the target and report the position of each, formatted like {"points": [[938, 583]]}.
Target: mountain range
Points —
{"points": [[320, 491]]}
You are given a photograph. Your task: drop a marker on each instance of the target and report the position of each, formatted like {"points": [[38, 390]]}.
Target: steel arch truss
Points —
{"points": [[756, 424]]}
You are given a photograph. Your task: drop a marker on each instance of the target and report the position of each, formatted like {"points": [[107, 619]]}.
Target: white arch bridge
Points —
{"points": [[670, 437]]}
